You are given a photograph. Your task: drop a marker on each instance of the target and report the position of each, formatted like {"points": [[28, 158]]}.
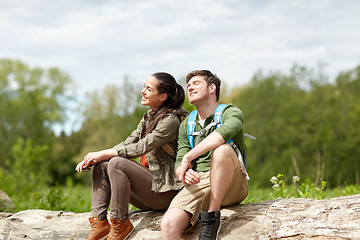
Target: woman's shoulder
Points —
{"points": [[175, 116], [179, 114]]}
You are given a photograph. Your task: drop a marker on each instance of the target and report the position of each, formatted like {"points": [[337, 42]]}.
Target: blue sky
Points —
{"points": [[98, 42]]}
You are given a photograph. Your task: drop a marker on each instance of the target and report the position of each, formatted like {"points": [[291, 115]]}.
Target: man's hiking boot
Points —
{"points": [[120, 229], [99, 229], [209, 225]]}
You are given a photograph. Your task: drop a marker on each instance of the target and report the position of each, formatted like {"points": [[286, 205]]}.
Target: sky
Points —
{"points": [[97, 43]]}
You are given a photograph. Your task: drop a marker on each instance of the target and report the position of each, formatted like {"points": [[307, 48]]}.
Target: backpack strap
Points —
{"points": [[218, 120], [168, 148], [191, 125], [217, 123], [217, 115]]}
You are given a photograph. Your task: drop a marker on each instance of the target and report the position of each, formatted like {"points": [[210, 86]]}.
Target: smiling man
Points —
{"points": [[209, 161]]}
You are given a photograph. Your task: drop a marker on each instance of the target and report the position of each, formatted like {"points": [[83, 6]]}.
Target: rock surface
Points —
{"points": [[5, 202], [290, 219]]}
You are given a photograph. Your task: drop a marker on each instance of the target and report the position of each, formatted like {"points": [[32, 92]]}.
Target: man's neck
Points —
{"points": [[206, 110]]}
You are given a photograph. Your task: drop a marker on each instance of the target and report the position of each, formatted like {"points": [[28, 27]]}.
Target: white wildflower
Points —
{"points": [[274, 180], [296, 179]]}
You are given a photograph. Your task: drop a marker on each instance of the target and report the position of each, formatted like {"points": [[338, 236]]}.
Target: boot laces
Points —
{"points": [[115, 228], [206, 228]]}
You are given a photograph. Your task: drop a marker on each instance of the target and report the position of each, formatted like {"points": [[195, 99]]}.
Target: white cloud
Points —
{"points": [[98, 42]]}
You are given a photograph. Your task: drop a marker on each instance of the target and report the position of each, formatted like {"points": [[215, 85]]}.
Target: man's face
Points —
{"points": [[197, 89]]}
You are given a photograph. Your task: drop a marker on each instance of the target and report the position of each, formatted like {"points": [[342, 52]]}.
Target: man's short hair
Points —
{"points": [[209, 78]]}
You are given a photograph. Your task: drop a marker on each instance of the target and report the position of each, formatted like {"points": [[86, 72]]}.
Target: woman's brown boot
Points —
{"points": [[120, 229], [99, 229]]}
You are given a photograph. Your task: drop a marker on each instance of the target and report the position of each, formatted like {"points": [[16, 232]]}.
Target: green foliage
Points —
{"points": [[307, 189], [78, 198], [110, 116], [31, 101], [59, 198], [279, 186], [187, 105], [310, 190], [344, 191], [258, 194], [304, 125], [28, 168]]}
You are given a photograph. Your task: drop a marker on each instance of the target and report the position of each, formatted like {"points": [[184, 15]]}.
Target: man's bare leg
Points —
{"points": [[223, 163], [173, 223]]}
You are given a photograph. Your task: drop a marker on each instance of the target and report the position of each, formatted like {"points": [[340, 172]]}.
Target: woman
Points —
{"points": [[150, 185]]}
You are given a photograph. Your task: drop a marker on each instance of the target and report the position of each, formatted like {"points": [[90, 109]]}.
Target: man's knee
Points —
{"points": [[168, 224], [174, 221], [224, 153]]}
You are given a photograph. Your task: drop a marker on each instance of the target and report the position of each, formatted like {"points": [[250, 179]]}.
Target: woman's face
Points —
{"points": [[150, 94]]}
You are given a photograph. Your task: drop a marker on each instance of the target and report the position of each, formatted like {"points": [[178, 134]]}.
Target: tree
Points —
{"points": [[31, 101], [110, 116], [304, 125]]}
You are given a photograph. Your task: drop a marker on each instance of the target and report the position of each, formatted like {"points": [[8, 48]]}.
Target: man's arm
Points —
{"points": [[184, 171], [210, 142]]}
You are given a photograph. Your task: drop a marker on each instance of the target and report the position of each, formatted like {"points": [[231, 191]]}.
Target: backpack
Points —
{"points": [[168, 147], [191, 134]]}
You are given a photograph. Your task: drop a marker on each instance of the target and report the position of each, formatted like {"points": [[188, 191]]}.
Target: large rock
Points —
{"points": [[5, 202], [337, 218]]}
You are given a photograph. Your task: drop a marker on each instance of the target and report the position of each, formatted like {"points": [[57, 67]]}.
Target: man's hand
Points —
{"points": [[192, 177], [186, 174], [181, 170]]}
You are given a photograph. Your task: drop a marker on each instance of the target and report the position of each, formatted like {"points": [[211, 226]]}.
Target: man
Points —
{"points": [[211, 170]]}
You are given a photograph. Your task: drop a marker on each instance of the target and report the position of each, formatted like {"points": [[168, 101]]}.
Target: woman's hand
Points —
{"points": [[93, 158], [83, 167]]}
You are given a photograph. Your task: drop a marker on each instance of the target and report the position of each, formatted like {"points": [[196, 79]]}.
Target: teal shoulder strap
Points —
{"points": [[191, 127], [217, 123], [217, 115], [191, 124]]}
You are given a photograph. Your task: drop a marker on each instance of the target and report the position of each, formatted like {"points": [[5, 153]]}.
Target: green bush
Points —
{"points": [[73, 199]]}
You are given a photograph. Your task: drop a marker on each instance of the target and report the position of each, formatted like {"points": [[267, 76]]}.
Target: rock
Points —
{"points": [[6, 204], [335, 219]]}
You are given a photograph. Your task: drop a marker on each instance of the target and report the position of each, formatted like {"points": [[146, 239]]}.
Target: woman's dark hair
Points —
{"points": [[175, 97]]}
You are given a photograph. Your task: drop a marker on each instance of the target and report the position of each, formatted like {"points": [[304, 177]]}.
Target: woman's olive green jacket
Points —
{"points": [[161, 164]]}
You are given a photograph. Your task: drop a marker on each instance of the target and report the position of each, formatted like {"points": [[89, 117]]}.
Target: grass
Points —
{"points": [[78, 198], [74, 199]]}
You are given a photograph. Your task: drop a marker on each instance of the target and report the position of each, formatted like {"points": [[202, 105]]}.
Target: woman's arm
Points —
{"points": [[164, 132], [93, 158]]}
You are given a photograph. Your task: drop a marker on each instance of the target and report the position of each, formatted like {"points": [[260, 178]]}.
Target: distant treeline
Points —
{"points": [[304, 125]]}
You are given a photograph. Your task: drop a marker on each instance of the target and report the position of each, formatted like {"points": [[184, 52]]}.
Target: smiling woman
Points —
{"points": [[150, 95], [151, 185]]}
